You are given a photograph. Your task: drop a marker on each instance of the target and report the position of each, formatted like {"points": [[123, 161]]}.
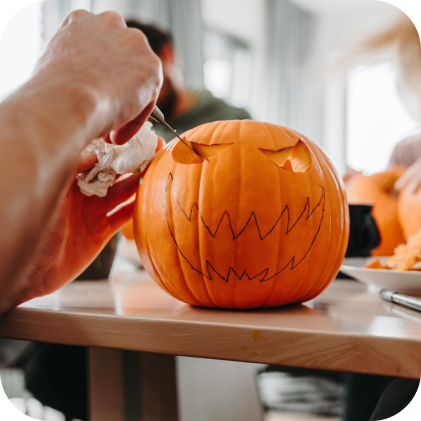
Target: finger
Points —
{"points": [[121, 216], [160, 145], [86, 161], [76, 14], [403, 181], [398, 186], [124, 134], [413, 187], [122, 191], [410, 188], [107, 139]]}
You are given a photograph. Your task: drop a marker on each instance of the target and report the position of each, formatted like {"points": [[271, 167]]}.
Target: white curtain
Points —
{"points": [[181, 17], [293, 99]]}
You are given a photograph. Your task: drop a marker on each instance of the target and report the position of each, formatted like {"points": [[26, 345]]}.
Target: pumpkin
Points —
{"points": [[378, 189], [128, 230], [409, 212], [242, 215]]}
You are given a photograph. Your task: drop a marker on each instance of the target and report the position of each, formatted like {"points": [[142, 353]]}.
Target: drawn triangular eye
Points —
{"points": [[195, 153], [295, 158]]}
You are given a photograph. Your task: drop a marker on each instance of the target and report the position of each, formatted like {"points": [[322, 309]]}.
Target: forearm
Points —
{"points": [[96, 78], [42, 131]]}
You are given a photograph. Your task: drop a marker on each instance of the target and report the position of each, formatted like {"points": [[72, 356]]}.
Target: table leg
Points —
{"points": [[139, 386], [132, 386]]}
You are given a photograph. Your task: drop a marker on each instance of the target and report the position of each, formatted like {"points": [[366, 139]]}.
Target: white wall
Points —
{"points": [[99, 6], [244, 19], [19, 46], [340, 30], [341, 24], [338, 6]]}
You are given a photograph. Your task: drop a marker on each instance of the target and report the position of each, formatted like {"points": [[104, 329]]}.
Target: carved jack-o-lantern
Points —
{"points": [[248, 215]]}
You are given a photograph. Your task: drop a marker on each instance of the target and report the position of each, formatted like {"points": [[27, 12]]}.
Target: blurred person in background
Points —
{"points": [[370, 397], [183, 108], [404, 39], [406, 152], [63, 387], [366, 397]]}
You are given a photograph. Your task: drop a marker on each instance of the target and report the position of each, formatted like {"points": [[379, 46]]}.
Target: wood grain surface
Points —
{"points": [[346, 328]]}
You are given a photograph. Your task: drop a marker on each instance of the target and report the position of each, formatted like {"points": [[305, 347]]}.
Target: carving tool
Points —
{"points": [[401, 299], [156, 115]]}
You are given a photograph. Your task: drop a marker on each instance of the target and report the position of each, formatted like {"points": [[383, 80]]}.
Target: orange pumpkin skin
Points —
{"points": [[237, 231], [376, 189], [128, 231], [409, 211]]}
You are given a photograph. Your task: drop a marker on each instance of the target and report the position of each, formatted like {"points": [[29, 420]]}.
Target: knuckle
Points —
{"points": [[75, 14], [135, 38], [156, 61], [137, 34], [157, 66], [112, 18], [151, 61]]}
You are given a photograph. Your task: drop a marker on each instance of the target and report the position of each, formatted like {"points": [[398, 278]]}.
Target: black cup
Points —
{"points": [[364, 235]]}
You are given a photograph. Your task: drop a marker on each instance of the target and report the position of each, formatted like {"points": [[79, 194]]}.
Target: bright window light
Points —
{"points": [[376, 118], [227, 67], [217, 76], [20, 46]]}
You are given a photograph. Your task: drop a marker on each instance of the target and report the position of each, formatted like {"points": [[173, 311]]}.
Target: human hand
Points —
{"points": [[411, 179], [80, 230], [109, 66]]}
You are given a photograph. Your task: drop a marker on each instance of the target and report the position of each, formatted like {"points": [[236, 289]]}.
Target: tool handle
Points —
{"points": [[403, 300], [157, 115]]}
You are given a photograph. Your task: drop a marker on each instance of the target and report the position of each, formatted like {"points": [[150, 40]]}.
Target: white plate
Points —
{"points": [[361, 261], [395, 280]]}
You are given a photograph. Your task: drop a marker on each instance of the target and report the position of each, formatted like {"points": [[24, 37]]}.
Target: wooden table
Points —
{"points": [[347, 328]]}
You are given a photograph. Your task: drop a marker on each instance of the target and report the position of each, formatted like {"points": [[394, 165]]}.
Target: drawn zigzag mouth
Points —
{"points": [[306, 213]]}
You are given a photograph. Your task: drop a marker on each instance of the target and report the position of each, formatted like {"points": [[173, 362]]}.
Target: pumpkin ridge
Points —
{"points": [[146, 246], [344, 240], [286, 209], [181, 266], [291, 262], [193, 214], [232, 270], [207, 287], [271, 136], [299, 290]]}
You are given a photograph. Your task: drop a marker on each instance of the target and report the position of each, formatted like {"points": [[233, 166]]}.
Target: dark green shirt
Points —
{"points": [[207, 109]]}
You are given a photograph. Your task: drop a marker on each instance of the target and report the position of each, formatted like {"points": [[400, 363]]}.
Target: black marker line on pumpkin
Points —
{"points": [[291, 262]]}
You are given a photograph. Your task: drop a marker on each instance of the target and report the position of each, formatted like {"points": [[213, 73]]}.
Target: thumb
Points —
{"points": [[86, 161]]}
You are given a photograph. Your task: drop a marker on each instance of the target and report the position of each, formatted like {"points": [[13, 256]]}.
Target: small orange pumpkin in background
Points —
{"points": [[247, 215], [409, 211], [128, 230], [377, 189]]}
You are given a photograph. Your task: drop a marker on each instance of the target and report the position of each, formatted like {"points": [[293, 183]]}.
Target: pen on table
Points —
{"points": [[401, 299]]}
